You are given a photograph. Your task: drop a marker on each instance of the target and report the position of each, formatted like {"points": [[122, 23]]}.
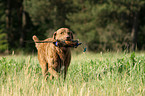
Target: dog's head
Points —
{"points": [[63, 34]]}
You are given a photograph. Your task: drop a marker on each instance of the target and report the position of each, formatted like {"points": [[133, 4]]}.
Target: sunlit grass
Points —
{"points": [[89, 74]]}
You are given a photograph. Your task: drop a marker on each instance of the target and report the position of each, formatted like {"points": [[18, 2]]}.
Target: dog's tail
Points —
{"points": [[36, 40]]}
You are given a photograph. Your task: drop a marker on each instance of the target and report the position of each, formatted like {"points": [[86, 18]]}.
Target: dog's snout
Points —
{"points": [[68, 38]]}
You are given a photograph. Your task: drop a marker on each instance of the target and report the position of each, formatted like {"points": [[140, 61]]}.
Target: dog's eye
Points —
{"points": [[61, 33]]}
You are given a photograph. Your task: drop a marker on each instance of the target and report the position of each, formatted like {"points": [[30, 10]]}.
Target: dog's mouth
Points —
{"points": [[68, 40], [67, 43]]}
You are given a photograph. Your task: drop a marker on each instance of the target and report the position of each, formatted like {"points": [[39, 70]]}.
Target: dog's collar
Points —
{"points": [[56, 43]]}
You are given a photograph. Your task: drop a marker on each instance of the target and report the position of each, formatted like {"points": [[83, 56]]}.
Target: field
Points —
{"points": [[101, 74]]}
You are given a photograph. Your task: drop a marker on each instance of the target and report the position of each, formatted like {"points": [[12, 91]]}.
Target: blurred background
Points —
{"points": [[102, 25]]}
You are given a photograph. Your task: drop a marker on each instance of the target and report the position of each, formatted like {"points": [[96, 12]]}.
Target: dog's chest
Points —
{"points": [[62, 53]]}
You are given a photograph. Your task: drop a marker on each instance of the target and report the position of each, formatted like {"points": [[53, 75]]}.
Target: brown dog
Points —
{"points": [[54, 59]]}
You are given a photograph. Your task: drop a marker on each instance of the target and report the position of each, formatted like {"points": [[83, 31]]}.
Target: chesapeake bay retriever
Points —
{"points": [[54, 59]]}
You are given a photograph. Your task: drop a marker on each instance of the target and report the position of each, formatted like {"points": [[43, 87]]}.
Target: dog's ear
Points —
{"points": [[54, 35], [72, 35]]}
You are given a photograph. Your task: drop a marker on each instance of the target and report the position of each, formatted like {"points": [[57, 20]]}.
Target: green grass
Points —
{"points": [[104, 74]]}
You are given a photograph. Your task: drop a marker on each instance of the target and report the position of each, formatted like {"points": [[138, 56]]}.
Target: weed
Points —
{"points": [[88, 74]]}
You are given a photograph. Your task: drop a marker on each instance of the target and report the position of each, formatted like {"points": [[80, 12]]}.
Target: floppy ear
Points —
{"points": [[72, 35], [54, 35]]}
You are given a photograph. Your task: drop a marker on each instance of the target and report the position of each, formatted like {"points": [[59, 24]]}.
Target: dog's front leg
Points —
{"points": [[53, 73]]}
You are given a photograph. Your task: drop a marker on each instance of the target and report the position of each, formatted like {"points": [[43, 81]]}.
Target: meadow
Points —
{"points": [[89, 74]]}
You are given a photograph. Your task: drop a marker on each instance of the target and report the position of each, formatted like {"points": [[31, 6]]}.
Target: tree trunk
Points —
{"points": [[8, 21], [21, 25], [134, 32]]}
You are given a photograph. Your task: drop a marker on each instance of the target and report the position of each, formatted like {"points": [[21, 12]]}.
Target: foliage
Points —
{"points": [[101, 25], [41, 13], [3, 41], [3, 35], [106, 25], [88, 74]]}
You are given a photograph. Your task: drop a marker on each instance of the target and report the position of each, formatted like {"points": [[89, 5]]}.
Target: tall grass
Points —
{"points": [[108, 74]]}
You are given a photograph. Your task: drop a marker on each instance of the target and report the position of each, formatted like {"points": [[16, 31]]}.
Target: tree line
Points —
{"points": [[100, 24]]}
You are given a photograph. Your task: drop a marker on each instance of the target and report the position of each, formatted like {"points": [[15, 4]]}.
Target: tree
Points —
{"points": [[3, 35], [14, 10], [83, 23], [15, 24], [115, 23], [127, 13], [100, 24]]}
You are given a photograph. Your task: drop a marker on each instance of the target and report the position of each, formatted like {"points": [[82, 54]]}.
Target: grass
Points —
{"points": [[104, 74]]}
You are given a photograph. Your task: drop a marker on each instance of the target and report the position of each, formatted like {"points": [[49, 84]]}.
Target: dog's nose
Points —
{"points": [[68, 37]]}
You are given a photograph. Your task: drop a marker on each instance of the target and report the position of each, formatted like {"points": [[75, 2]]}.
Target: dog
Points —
{"points": [[52, 58]]}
